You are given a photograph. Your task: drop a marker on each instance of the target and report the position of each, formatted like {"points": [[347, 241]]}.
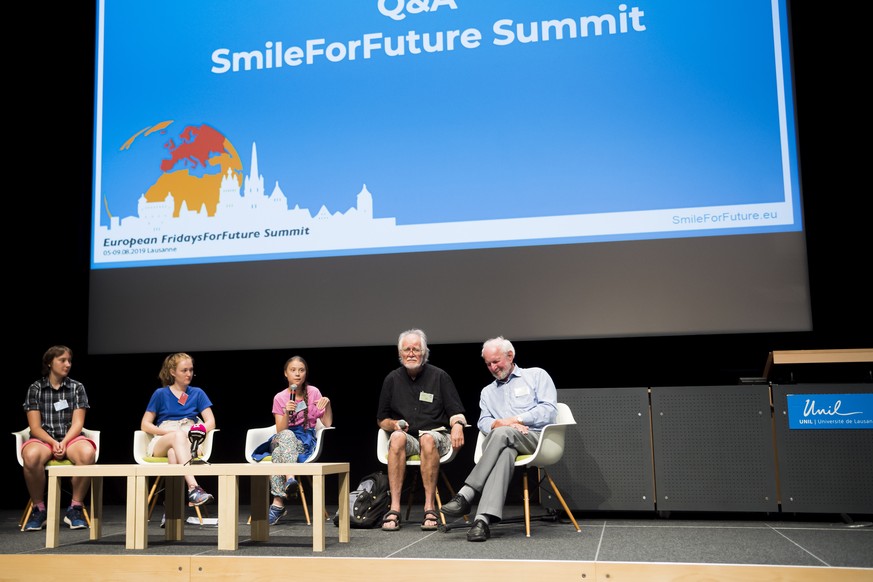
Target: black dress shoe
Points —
{"points": [[479, 532], [457, 507]]}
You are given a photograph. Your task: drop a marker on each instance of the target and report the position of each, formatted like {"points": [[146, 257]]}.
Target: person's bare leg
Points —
{"points": [[35, 456], [396, 472], [430, 470], [176, 447], [81, 453]]}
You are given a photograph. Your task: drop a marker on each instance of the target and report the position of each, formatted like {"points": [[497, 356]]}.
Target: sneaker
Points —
{"points": [[163, 521], [36, 521], [75, 518], [291, 488], [198, 496], [276, 513]]}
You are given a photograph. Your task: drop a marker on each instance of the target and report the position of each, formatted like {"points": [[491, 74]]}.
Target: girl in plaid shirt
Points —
{"points": [[55, 408]]}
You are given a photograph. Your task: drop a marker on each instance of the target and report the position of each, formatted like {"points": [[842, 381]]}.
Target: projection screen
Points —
{"points": [[329, 173]]}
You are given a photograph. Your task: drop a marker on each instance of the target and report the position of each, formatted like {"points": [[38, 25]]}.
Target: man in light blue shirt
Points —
{"points": [[514, 410]]}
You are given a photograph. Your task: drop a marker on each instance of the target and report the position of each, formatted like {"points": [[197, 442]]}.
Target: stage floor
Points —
{"points": [[820, 545]]}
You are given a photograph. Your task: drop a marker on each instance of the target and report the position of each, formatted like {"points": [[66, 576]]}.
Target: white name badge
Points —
{"points": [[521, 390], [61, 405], [425, 397]]}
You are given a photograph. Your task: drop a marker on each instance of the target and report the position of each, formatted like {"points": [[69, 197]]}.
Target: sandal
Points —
{"points": [[430, 515], [392, 517]]}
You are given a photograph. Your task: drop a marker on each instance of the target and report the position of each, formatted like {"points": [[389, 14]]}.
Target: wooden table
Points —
{"points": [[228, 475], [96, 473]]}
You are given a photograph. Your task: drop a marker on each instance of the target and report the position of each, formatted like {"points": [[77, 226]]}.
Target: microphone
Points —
{"points": [[196, 435], [293, 389], [402, 424]]}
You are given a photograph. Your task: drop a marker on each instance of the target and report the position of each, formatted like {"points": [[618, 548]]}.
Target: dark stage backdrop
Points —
{"points": [[47, 263]]}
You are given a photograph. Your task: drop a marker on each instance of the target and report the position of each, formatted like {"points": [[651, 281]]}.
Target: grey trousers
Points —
{"points": [[492, 474]]}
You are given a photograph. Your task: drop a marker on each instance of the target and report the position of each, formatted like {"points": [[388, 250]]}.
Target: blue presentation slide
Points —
{"points": [[234, 131]]}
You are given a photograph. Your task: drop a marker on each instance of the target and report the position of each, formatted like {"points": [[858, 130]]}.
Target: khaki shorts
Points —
{"points": [[185, 425], [442, 439]]}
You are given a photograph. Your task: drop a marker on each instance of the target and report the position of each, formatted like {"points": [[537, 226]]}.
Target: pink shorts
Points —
{"points": [[49, 447]]}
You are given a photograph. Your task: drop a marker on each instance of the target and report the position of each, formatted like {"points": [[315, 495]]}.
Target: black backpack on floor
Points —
{"points": [[369, 502]]}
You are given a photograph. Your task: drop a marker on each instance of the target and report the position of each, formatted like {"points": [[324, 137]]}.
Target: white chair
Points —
{"points": [[141, 440], [382, 441], [21, 437], [258, 436], [549, 451]]}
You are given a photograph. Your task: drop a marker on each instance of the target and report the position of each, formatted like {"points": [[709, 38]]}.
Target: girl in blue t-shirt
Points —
{"points": [[171, 412]]}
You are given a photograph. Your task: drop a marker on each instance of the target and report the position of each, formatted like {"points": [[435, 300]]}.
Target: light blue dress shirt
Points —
{"points": [[528, 393]]}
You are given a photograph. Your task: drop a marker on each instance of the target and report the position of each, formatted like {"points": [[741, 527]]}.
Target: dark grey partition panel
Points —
{"points": [[823, 470], [713, 448], [607, 462]]}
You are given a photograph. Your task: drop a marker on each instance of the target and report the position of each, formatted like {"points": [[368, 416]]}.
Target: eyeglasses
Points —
{"points": [[415, 351]]}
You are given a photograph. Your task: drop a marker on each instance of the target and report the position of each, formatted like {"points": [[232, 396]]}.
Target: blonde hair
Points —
{"points": [[170, 363]]}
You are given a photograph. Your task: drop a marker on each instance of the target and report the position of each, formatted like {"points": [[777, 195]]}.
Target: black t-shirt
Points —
{"points": [[426, 402]]}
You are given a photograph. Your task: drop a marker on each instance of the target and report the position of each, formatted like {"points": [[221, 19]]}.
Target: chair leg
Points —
{"points": [[447, 484], [303, 501], [327, 516], [561, 499], [452, 492], [153, 498], [26, 515], [439, 503], [305, 505], [28, 510], [526, 507], [269, 501], [197, 509], [411, 494]]}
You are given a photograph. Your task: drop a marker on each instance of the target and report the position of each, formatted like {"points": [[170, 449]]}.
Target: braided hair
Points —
{"points": [[303, 386]]}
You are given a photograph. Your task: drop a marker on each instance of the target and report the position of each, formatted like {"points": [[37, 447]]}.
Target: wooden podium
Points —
{"points": [[822, 471], [798, 357]]}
